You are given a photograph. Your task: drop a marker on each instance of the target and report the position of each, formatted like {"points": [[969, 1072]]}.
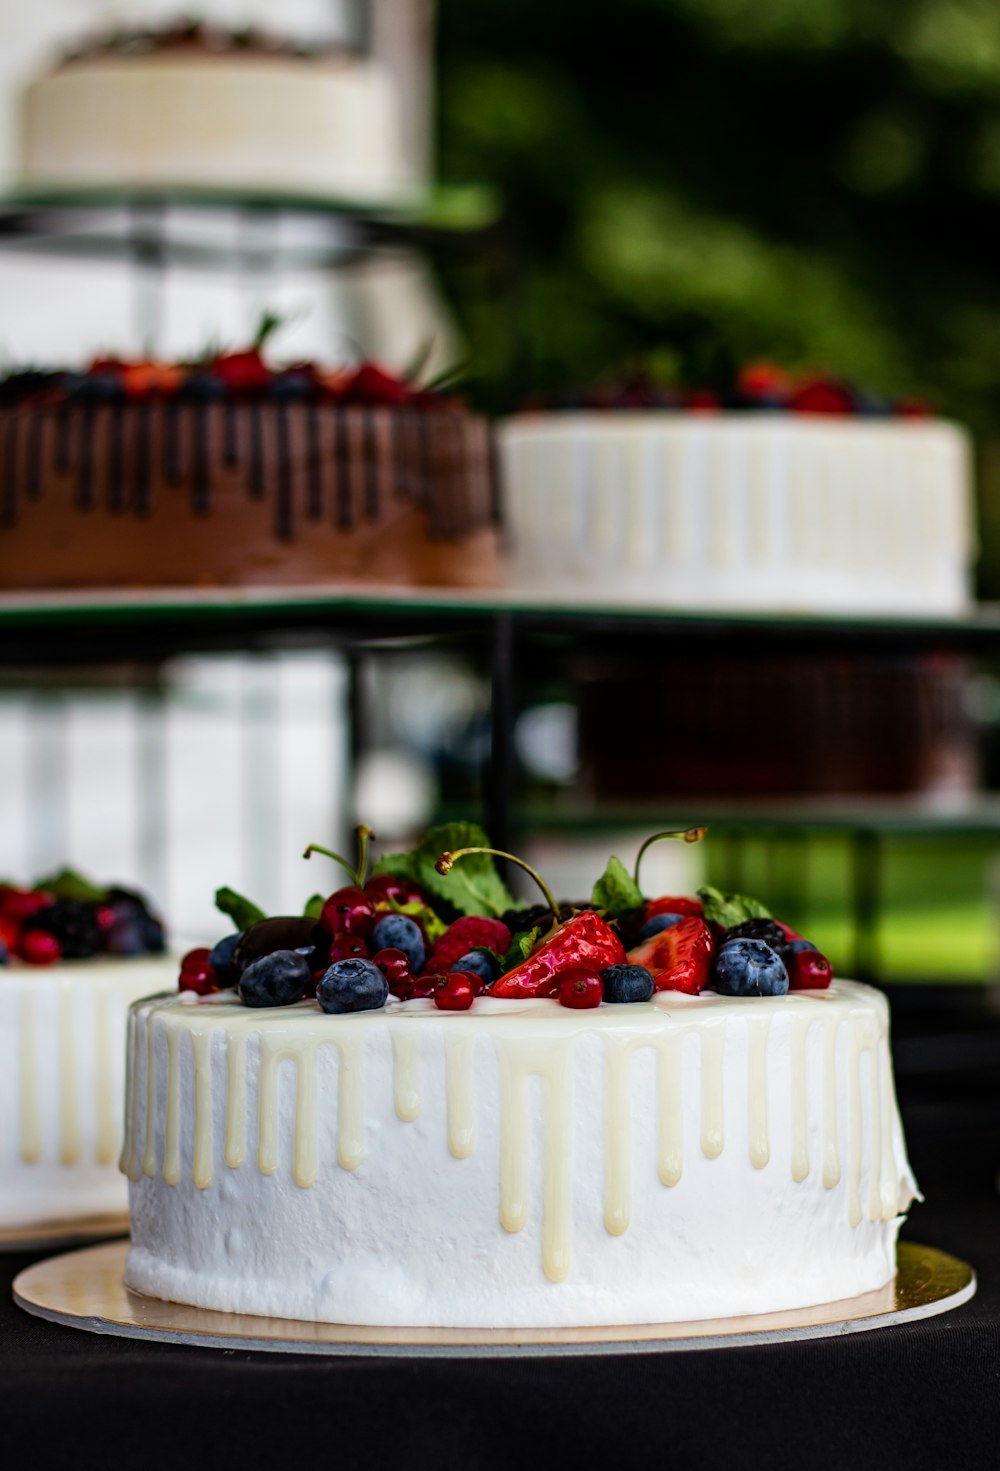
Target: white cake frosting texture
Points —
{"points": [[518, 1165], [62, 1079], [744, 510], [325, 126]]}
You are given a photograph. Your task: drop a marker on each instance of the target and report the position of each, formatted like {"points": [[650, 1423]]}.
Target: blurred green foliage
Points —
{"points": [[711, 181]]}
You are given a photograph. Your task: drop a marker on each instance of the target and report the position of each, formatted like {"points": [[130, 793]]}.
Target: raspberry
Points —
{"points": [[471, 932]]}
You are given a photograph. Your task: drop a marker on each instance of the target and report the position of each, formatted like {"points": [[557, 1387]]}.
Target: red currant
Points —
{"points": [[421, 988], [350, 910], [454, 992], [39, 948], [581, 992], [808, 970], [197, 973], [394, 966], [475, 981]]}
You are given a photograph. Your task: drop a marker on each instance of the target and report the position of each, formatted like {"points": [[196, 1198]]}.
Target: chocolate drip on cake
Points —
{"points": [[369, 461], [173, 455], [33, 467], [230, 437], [116, 460], [85, 459], [62, 446], [8, 491], [142, 462], [342, 470], [314, 464], [201, 482], [256, 472], [284, 521]]}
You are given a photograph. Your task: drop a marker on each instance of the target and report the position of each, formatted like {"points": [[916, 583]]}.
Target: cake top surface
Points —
{"points": [[438, 925]]}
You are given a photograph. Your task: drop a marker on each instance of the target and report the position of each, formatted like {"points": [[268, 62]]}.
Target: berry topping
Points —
{"points": [[222, 959], [624, 983], [284, 932], [478, 963], [468, 933], [749, 968], [421, 988], [19, 905], [768, 930], [585, 943], [399, 932], [353, 985], [678, 957], [4, 953], [40, 948], [385, 889], [581, 992], [198, 973], [671, 905], [396, 968], [658, 923], [808, 970], [455, 991], [278, 979], [349, 909], [346, 946]]}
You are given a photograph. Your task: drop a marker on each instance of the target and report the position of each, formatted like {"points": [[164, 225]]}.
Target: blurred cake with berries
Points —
{"points": [[230, 472], [422, 1104], [73, 957], [777, 495], [198, 106]]}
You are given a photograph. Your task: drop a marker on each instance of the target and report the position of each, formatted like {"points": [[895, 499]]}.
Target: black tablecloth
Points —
{"points": [[923, 1395]]}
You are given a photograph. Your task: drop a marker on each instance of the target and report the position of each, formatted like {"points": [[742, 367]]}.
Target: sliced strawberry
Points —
{"points": [[679, 958]]}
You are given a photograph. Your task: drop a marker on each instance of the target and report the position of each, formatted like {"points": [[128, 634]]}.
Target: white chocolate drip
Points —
{"points": [[533, 1042]]}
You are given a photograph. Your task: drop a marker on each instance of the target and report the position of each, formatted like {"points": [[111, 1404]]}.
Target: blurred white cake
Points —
{"points": [[62, 1082], [520, 1164], [740, 510], [189, 115]]}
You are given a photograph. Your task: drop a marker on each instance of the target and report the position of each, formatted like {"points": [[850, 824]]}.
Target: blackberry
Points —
{"points": [[540, 915], [74, 925], [760, 929]]}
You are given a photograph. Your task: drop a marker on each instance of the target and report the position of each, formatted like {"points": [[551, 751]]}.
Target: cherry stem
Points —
{"points": [[364, 836], [685, 835], [445, 862]]}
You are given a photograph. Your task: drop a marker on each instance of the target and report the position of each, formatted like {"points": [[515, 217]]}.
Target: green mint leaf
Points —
{"points": [[521, 946], [472, 887], [68, 884], [616, 891], [242, 913], [730, 909], [434, 927], [314, 907]]}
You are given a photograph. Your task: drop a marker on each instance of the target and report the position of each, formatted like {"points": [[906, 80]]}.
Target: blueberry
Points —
{"points": [[353, 985], [125, 936], [221, 959], [480, 964], [658, 923], [797, 946], [748, 968], [627, 983], [399, 932], [278, 979]]}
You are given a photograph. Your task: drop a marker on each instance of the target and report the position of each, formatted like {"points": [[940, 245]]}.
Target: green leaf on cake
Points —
{"points": [[521, 946], [241, 911], [314, 907], [730, 909], [68, 884], [616, 891], [472, 887]]}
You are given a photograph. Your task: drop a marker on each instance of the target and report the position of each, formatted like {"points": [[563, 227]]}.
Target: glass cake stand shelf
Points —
{"points": [[85, 1290]]}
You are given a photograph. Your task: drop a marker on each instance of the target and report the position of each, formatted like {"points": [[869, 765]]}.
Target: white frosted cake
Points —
{"points": [[739, 510], [62, 1079], [199, 111], [421, 1105], [516, 1165]]}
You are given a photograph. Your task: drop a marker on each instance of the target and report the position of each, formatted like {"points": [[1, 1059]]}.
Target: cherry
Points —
{"points": [[454, 991], [385, 889], [345, 946], [349, 909], [394, 966], [38, 947], [581, 992]]}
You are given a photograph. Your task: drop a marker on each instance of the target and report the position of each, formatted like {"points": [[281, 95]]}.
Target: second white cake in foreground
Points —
{"points": [[690, 1157]]}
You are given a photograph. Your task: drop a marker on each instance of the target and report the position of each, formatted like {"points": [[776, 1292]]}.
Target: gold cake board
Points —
{"points": [[42, 1235], [85, 1289]]}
